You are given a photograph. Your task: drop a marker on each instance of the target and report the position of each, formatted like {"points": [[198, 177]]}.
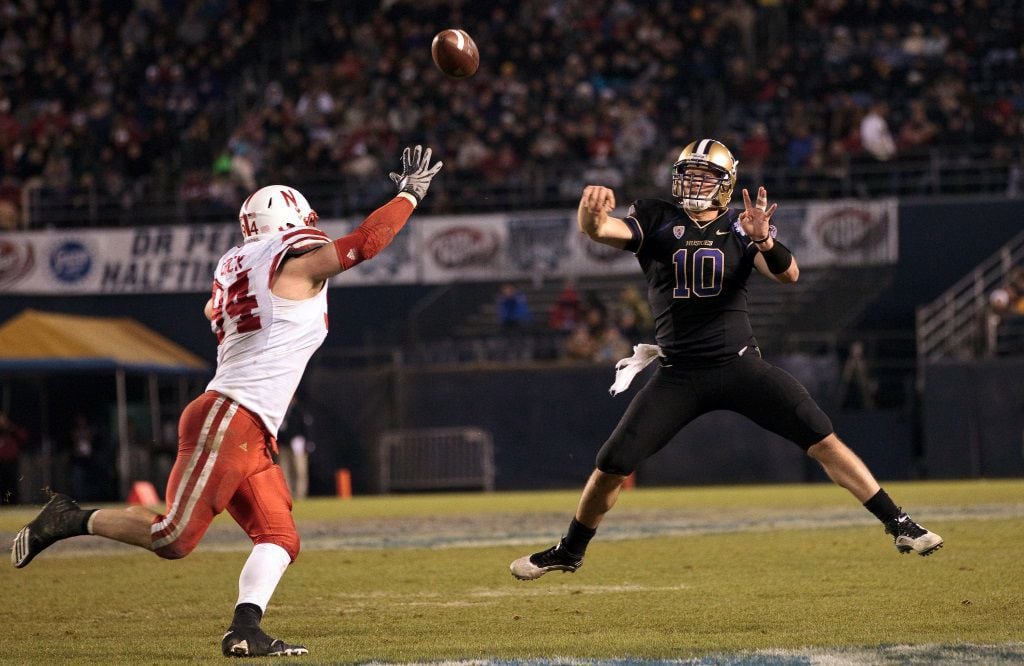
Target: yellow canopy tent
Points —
{"points": [[38, 343]]}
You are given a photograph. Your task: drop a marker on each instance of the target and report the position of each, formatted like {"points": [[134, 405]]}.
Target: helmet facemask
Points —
{"points": [[704, 176], [273, 209]]}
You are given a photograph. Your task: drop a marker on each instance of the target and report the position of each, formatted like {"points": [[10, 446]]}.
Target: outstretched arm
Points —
{"points": [[595, 204], [304, 274]]}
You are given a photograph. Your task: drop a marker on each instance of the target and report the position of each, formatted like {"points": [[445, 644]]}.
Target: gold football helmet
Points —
{"points": [[697, 192]]}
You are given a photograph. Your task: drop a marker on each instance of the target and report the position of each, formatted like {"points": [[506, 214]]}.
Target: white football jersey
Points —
{"points": [[264, 340]]}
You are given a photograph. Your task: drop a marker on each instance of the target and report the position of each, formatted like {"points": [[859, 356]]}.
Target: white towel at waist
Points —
{"points": [[628, 368]]}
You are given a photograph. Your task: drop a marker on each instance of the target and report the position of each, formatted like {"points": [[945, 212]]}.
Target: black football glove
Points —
{"points": [[416, 172]]}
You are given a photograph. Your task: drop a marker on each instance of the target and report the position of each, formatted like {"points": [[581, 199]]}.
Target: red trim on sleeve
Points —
{"points": [[273, 268], [305, 239], [312, 232]]}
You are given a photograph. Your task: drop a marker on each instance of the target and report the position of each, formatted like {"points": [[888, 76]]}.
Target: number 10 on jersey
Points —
{"points": [[702, 276]]}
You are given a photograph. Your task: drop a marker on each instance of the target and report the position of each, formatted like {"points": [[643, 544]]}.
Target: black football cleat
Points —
{"points": [[556, 558], [60, 518], [253, 642], [908, 536]]}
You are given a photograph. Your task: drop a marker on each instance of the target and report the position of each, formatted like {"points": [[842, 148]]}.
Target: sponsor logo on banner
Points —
{"points": [[461, 247], [537, 243], [851, 228], [70, 261], [16, 261]]}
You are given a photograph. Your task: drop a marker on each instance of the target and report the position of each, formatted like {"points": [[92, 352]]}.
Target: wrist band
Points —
{"points": [[778, 258], [771, 234]]}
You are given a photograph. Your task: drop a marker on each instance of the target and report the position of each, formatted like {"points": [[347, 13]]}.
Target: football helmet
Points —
{"points": [[272, 209], [697, 192]]}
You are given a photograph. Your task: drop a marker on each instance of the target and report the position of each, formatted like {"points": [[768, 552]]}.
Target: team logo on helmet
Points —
{"points": [[704, 176], [272, 209]]}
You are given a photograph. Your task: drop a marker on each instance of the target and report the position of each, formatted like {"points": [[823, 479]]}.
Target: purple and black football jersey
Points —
{"points": [[696, 277]]}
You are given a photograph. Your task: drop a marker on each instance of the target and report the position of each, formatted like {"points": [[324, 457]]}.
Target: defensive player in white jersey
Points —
{"points": [[269, 313]]}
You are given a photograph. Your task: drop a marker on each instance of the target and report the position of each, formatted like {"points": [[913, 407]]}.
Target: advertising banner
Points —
{"points": [[844, 233], [430, 250]]}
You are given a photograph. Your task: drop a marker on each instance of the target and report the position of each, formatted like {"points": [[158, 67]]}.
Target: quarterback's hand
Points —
{"points": [[417, 172], [597, 200], [756, 220]]}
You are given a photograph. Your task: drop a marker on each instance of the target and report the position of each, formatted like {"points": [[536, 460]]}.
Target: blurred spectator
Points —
{"points": [[513, 310], [294, 447], [638, 134], [633, 315], [611, 346], [1004, 317], [875, 135], [83, 445], [501, 166], [360, 163], [86, 475], [856, 387], [601, 170], [567, 310], [12, 440], [800, 148], [595, 312], [471, 153], [582, 345], [548, 146], [917, 132], [754, 152], [10, 204]]}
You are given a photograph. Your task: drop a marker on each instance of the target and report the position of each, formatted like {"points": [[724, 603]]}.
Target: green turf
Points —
{"points": [[939, 493], [658, 597]]}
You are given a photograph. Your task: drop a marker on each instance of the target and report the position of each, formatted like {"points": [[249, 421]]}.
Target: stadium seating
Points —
{"points": [[129, 129]]}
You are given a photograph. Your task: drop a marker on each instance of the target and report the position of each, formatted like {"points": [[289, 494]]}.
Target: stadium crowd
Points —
{"points": [[165, 110]]}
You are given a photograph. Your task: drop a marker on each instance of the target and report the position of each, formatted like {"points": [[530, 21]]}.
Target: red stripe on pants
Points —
{"points": [[231, 470]]}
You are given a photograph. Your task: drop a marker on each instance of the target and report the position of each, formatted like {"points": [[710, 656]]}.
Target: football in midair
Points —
{"points": [[455, 53]]}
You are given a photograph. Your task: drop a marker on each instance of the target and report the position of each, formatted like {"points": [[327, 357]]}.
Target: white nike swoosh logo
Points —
{"points": [[722, 233]]}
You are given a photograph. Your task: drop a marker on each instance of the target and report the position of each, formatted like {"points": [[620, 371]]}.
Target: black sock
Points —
{"points": [[577, 538], [83, 527], [247, 615], [882, 506]]}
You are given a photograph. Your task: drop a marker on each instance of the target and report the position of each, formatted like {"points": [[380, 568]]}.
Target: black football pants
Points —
{"points": [[674, 396]]}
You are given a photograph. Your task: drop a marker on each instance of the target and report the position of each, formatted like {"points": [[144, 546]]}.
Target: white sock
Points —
{"points": [[261, 573]]}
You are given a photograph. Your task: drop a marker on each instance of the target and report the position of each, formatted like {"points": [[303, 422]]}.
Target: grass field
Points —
{"points": [[751, 574]]}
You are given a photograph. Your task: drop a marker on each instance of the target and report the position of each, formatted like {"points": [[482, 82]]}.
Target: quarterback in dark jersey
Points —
{"points": [[697, 254]]}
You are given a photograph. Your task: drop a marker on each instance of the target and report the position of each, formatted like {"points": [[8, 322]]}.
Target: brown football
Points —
{"points": [[455, 53]]}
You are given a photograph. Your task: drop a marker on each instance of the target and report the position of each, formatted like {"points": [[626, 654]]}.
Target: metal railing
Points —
{"points": [[940, 172], [951, 325], [436, 459]]}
